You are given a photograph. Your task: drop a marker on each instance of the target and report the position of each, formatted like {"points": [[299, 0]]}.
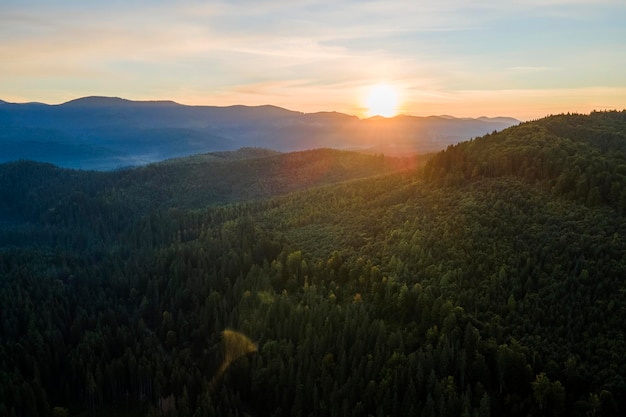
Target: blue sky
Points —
{"points": [[525, 59]]}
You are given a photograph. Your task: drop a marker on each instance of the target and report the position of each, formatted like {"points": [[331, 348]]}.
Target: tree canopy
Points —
{"points": [[488, 281]]}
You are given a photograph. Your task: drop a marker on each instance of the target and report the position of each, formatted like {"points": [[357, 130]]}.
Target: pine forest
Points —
{"points": [[488, 279]]}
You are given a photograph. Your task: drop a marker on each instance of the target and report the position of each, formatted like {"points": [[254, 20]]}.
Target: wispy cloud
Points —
{"points": [[531, 69]]}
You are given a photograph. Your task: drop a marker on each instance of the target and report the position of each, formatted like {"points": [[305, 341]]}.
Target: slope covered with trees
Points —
{"points": [[578, 156], [481, 284], [57, 201]]}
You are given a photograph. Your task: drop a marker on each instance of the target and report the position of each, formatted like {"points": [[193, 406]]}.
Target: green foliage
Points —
{"points": [[579, 157], [477, 286]]}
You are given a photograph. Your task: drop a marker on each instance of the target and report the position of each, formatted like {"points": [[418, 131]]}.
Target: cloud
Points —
{"points": [[531, 69]]}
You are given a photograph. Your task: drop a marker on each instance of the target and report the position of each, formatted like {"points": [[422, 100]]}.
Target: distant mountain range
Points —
{"points": [[103, 133]]}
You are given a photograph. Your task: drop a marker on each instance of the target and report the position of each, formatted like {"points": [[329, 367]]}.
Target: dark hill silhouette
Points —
{"points": [[104, 133]]}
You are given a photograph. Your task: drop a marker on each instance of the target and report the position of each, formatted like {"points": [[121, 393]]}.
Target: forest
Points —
{"points": [[484, 280]]}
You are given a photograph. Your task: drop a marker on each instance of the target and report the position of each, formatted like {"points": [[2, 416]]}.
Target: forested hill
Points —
{"points": [[38, 193], [489, 281], [578, 156]]}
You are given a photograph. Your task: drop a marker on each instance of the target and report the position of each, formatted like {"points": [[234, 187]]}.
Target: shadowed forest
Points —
{"points": [[487, 280]]}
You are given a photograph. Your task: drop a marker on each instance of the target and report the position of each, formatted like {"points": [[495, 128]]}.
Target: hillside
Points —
{"points": [[41, 194], [104, 133], [488, 281], [577, 156]]}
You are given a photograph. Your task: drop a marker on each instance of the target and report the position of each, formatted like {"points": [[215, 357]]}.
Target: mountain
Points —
{"points": [[104, 133], [488, 280]]}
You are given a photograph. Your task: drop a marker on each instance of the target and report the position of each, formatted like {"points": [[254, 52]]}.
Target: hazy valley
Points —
{"points": [[105, 133]]}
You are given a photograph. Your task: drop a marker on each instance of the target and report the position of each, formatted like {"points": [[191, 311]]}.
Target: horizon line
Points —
{"points": [[169, 101]]}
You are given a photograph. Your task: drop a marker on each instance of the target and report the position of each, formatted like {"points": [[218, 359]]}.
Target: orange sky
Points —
{"points": [[524, 59]]}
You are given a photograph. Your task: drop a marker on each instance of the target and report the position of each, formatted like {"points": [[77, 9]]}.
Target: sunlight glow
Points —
{"points": [[382, 100]]}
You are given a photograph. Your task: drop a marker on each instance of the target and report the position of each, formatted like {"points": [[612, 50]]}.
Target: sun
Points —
{"points": [[382, 100]]}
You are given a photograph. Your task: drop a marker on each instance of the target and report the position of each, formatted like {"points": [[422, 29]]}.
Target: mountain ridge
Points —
{"points": [[104, 133]]}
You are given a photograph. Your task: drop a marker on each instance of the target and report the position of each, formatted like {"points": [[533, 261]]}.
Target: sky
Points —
{"points": [[466, 58]]}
